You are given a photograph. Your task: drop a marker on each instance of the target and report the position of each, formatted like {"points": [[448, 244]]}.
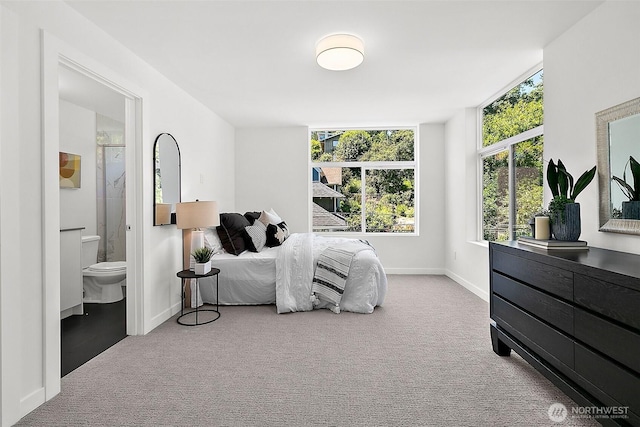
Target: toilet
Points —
{"points": [[103, 281]]}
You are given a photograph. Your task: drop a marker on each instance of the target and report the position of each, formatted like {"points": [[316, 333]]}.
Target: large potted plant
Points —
{"points": [[565, 212], [630, 208]]}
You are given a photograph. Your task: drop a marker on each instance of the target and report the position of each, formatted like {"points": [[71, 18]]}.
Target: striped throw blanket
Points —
{"points": [[332, 271]]}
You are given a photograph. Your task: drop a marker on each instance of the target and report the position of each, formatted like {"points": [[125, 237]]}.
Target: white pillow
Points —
{"points": [[276, 216], [258, 234], [211, 240], [268, 218]]}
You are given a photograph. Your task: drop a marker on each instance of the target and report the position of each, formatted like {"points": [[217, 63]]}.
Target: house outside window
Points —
{"points": [[511, 161], [380, 161]]}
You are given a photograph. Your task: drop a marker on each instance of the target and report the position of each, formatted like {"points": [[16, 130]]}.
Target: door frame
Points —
{"points": [[56, 53]]}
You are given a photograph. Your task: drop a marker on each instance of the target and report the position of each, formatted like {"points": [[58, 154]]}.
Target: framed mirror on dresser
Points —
{"points": [[618, 150], [166, 179]]}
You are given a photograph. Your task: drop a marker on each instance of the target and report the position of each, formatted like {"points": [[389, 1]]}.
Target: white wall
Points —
{"points": [[10, 213], [206, 144], [78, 136], [272, 170], [591, 67], [466, 260]]}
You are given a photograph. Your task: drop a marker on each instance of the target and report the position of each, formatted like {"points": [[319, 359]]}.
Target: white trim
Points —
{"points": [[416, 271], [50, 217], [162, 317], [468, 285], [369, 165], [363, 127], [492, 149], [56, 53], [32, 401]]}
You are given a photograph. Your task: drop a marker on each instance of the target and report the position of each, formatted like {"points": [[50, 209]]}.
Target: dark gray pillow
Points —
{"points": [[232, 233], [252, 216]]}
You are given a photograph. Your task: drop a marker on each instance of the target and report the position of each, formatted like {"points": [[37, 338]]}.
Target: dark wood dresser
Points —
{"points": [[574, 316]]}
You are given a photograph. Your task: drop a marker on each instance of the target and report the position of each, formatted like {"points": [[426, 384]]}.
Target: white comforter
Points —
{"points": [[365, 287]]}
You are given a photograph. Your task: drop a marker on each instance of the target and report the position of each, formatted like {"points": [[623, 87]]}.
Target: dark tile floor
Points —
{"points": [[86, 336]]}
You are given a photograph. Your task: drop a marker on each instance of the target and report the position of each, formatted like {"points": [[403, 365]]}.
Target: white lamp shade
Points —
{"points": [[339, 52], [197, 214]]}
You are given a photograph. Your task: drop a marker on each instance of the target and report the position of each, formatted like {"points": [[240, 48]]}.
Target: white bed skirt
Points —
{"points": [[247, 279]]}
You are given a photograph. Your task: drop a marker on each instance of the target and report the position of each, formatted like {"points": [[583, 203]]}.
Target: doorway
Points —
{"points": [[92, 126]]}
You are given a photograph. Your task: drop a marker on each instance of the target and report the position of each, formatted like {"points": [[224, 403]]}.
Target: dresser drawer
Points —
{"points": [[615, 341], [618, 383], [548, 308], [531, 331], [613, 301], [546, 277]]}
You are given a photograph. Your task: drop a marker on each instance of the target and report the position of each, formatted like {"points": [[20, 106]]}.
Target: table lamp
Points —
{"points": [[190, 217]]}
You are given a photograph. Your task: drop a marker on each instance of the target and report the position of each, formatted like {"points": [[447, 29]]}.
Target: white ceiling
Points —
{"points": [[253, 63]]}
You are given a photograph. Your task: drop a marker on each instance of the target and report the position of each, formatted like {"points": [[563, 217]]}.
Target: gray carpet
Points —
{"points": [[425, 359]]}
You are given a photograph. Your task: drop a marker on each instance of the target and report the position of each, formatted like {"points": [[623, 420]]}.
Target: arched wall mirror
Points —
{"points": [[618, 140], [166, 179]]}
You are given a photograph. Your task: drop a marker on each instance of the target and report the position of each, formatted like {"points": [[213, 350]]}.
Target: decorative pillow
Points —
{"points": [[277, 234], [212, 241], [252, 216], [266, 218], [258, 235], [232, 233], [275, 216]]}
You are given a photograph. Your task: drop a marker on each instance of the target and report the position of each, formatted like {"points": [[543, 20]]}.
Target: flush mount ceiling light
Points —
{"points": [[339, 52]]}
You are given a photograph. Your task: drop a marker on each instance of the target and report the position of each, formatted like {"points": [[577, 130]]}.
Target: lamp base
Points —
{"points": [[197, 242]]}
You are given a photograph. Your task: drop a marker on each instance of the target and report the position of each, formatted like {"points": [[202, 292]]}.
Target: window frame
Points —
{"points": [[365, 166], [497, 147]]}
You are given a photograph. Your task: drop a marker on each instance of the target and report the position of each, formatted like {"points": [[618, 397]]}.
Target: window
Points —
{"points": [[511, 160], [363, 180]]}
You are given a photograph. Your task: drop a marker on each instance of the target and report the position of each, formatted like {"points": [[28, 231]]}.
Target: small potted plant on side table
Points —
{"points": [[565, 212], [202, 257], [630, 208]]}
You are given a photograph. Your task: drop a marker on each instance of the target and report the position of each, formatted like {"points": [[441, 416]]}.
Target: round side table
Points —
{"points": [[188, 274]]}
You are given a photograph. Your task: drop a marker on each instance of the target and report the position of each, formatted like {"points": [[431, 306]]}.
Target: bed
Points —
{"points": [[245, 279], [286, 275]]}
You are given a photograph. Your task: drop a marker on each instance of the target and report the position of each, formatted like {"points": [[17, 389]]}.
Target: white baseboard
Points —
{"points": [[468, 285], [431, 271], [162, 317], [31, 401]]}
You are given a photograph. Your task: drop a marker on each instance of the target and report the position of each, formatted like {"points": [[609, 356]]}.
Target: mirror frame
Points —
{"points": [[603, 118], [155, 159]]}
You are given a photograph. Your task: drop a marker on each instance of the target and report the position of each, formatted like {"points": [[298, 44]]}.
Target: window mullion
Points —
{"points": [[502, 145], [512, 192], [363, 216]]}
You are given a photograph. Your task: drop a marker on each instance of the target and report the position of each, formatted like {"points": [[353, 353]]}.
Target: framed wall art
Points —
{"points": [[69, 170]]}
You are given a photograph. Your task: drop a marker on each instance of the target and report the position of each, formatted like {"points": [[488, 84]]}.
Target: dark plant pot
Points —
{"points": [[631, 210], [567, 226]]}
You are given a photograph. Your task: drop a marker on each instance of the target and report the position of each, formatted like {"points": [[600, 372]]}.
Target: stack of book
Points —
{"points": [[554, 244]]}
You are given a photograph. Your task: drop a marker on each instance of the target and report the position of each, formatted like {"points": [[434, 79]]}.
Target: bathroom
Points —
{"points": [[92, 218]]}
